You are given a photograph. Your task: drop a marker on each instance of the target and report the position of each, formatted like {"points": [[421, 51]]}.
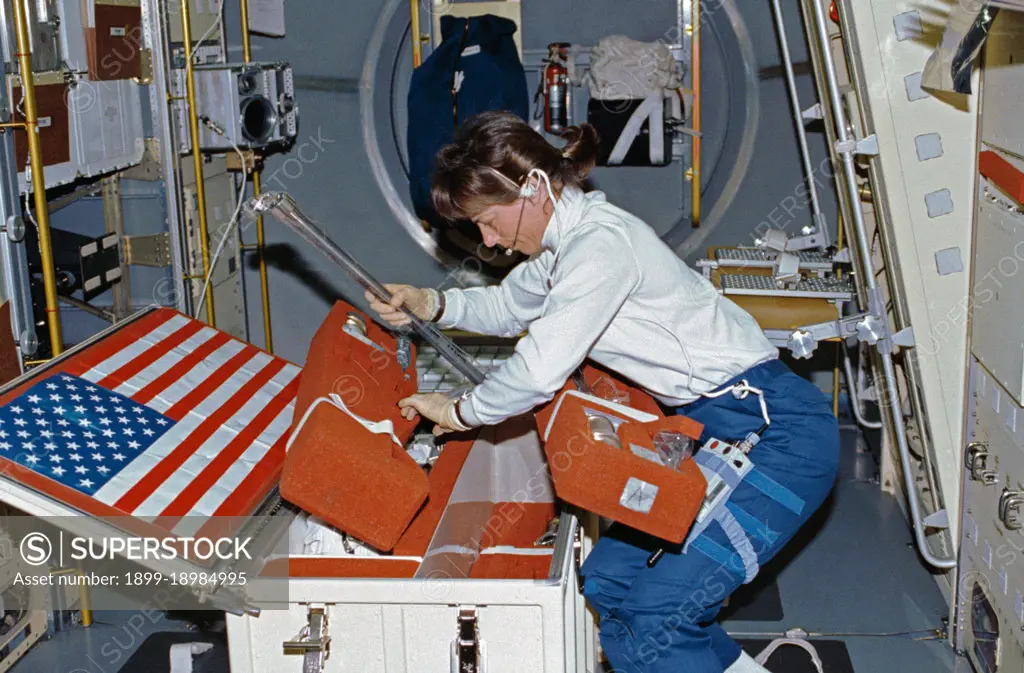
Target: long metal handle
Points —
{"points": [[285, 211], [798, 119], [875, 299], [695, 143]]}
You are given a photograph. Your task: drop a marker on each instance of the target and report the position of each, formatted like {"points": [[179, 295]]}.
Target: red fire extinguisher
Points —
{"points": [[556, 88], [833, 12]]}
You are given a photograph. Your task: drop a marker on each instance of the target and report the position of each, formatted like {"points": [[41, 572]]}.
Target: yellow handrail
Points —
{"points": [[35, 163], [256, 191], [197, 158]]}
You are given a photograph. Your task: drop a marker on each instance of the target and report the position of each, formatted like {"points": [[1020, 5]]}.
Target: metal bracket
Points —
{"points": [[939, 519], [842, 257], [804, 340], [811, 241], [151, 250], [867, 146], [814, 237], [904, 338], [145, 67], [314, 644], [812, 113], [467, 648]]}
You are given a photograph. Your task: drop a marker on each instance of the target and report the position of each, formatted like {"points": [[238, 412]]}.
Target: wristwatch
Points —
{"points": [[439, 300], [456, 420]]}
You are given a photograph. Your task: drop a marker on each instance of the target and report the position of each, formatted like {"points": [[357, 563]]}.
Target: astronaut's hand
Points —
{"points": [[423, 303], [436, 407]]}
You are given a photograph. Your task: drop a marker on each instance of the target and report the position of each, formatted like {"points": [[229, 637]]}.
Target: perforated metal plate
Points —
{"points": [[819, 288], [754, 257], [436, 375]]}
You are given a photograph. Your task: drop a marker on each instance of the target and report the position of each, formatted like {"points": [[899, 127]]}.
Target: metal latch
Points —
{"points": [[467, 648], [312, 643], [1010, 503], [976, 461]]}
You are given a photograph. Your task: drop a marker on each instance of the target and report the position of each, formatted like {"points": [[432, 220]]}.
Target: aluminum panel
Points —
{"points": [[997, 332]]}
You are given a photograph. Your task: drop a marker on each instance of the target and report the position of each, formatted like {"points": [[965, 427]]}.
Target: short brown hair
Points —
{"points": [[493, 153]]}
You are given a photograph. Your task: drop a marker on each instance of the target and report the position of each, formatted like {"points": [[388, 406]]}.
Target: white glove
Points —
{"points": [[436, 407], [424, 304]]}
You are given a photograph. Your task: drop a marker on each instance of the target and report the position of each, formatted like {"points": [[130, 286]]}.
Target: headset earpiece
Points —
{"points": [[527, 190]]}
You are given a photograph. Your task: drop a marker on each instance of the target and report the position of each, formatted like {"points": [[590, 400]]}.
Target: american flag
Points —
{"points": [[166, 419]]}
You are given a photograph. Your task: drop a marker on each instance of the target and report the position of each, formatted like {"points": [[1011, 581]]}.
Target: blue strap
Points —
{"points": [[714, 551], [775, 491], [753, 526]]}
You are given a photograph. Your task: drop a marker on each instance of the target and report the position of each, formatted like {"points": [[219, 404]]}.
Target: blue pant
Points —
{"points": [[661, 619]]}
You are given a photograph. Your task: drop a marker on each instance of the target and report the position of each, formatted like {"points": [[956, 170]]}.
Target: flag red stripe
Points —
{"points": [[146, 486], [208, 385], [151, 355], [109, 347], [180, 368], [78, 364], [187, 499], [257, 483], [69, 497]]}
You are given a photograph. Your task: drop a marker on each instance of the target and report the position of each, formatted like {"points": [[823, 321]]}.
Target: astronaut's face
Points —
{"points": [[519, 225]]}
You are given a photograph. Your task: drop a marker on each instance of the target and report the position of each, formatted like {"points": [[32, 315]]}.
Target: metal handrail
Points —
{"points": [[257, 189], [876, 303]]}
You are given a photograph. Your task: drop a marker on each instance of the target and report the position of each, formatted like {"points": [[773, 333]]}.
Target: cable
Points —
{"points": [[209, 31], [234, 217]]}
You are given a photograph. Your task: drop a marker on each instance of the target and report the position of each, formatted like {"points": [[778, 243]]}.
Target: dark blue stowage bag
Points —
{"points": [[481, 47]]}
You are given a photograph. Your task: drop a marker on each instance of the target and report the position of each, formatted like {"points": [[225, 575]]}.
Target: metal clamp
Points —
{"points": [[313, 643], [867, 146], [866, 327], [1010, 504], [467, 648]]}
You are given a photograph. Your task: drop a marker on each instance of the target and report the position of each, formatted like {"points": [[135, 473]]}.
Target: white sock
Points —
{"points": [[746, 664]]}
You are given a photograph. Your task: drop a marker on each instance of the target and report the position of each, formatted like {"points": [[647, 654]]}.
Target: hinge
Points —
{"points": [[313, 642], [467, 648], [151, 250]]}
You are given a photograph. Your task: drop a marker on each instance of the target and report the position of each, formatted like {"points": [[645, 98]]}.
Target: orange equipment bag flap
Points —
{"points": [[608, 466], [361, 482]]}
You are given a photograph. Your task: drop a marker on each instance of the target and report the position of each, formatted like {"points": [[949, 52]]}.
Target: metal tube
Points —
{"points": [[794, 99], [197, 157], [695, 172], [256, 191], [875, 303], [35, 155], [286, 211], [851, 384], [90, 309], [414, 30]]}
